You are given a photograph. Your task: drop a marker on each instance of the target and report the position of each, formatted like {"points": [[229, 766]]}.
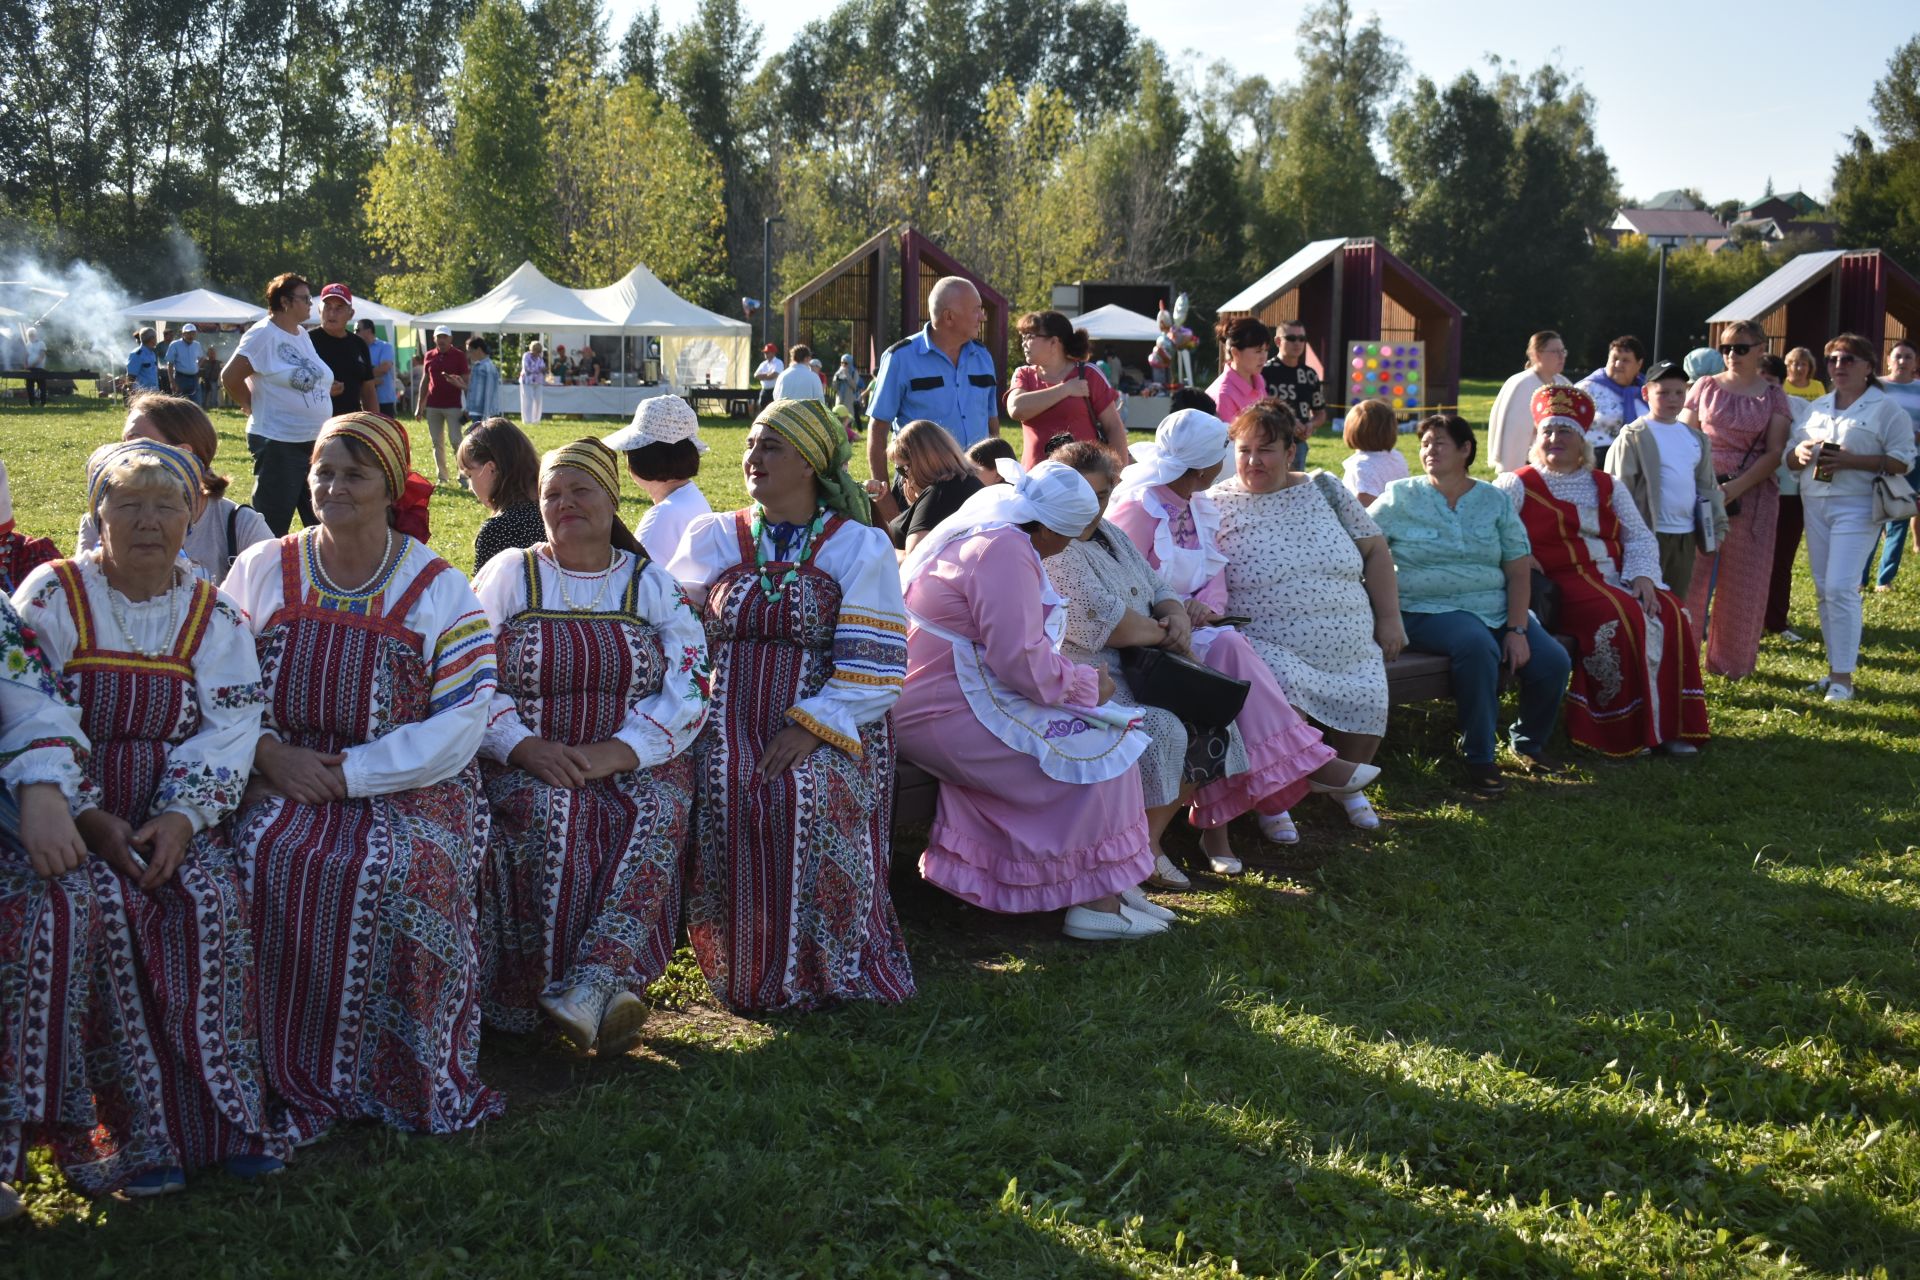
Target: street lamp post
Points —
{"points": [[766, 274]]}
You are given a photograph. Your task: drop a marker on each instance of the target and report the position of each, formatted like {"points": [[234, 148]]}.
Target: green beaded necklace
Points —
{"points": [[771, 590]]}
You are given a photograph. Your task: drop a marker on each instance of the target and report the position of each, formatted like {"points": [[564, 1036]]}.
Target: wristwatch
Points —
{"points": [[1514, 631]]}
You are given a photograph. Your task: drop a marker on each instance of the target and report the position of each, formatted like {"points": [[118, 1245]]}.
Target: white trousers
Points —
{"points": [[1840, 536], [531, 394]]}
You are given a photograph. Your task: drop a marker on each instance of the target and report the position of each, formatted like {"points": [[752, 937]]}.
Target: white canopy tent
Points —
{"points": [[697, 346], [196, 306], [1114, 323]]}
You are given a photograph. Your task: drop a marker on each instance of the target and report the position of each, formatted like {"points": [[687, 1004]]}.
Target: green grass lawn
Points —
{"points": [[1661, 1019]]}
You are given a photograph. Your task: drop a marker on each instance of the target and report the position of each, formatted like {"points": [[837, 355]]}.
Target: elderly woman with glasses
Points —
{"points": [[364, 830], [587, 763], [787, 901], [1635, 683], [1854, 434], [1745, 419], [163, 672]]}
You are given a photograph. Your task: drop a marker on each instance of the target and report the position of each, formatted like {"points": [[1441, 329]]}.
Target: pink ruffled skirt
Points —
{"points": [[1282, 748]]}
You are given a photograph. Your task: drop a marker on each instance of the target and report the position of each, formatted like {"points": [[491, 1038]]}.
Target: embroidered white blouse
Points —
{"points": [[657, 727]]}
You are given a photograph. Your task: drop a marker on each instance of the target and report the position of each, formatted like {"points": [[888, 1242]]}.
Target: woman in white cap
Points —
{"points": [[1162, 504], [988, 697], [663, 448]]}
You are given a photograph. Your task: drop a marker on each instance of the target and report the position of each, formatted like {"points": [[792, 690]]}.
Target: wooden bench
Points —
{"points": [[1411, 677]]}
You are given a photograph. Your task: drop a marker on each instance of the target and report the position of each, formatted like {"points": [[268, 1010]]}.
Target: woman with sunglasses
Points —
{"points": [[1855, 433], [1745, 419]]}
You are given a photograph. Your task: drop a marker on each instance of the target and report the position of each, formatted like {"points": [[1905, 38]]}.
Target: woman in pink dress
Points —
{"points": [[988, 697], [1162, 505], [1745, 419], [1240, 384]]}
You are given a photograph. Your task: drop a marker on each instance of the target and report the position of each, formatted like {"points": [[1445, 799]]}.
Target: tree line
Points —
{"points": [[421, 149]]}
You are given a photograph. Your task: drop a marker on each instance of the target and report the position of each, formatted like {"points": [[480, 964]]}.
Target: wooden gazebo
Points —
{"points": [[1817, 295], [1355, 291], [846, 305]]}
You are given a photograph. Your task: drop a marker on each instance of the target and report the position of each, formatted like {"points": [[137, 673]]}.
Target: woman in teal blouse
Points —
{"points": [[1463, 560]]}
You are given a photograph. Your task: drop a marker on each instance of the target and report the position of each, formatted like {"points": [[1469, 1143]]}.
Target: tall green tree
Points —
{"points": [[709, 65], [1876, 188]]}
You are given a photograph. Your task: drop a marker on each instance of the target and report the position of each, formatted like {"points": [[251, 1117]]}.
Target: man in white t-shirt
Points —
{"points": [[287, 391], [768, 371], [798, 381], [1666, 467]]}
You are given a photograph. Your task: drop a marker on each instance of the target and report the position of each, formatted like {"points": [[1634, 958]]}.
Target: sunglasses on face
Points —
{"points": [[1293, 337], [1736, 348], [1841, 359]]}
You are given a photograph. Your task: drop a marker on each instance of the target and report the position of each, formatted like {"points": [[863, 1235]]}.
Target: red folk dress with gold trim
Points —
{"points": [[787, 901], [171, 705], [364, 908], [583, 884], [1636, 679]]}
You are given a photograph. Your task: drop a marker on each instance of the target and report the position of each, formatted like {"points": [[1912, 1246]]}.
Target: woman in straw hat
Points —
{"points": [[163, 675], [603, 688], [787, 903], [365, 827]]}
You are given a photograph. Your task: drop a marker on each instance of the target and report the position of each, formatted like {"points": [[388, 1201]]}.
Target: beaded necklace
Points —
{"points": [[332, 588], [603, 577], [808, 535], [126, 631]]}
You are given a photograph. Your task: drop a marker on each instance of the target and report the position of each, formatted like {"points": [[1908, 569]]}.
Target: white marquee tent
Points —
{"points": [[1114, 323], [196, 306], [696, 345]]}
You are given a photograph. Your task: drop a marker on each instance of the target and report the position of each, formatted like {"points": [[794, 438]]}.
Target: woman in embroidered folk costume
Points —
{"points": [[53, 953], [365, 828], [1636, 679], [163, 674], [603, 688], [1040, 801], [787, 903], [1162, 504]]}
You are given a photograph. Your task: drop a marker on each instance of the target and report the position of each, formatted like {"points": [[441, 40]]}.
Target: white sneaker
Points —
{"points": [[1140, 904], [1819, 686], [621, 1024], [576, 1011], [1166, 875], [1279, 828], [1680, 748], [1837, 692], [1359, 812], [1104, 926]]}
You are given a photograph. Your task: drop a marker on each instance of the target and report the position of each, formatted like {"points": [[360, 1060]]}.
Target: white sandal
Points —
{"points": [[1279, 828], [1359, 811]]}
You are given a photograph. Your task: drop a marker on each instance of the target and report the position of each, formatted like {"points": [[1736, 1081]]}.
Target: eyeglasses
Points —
{"points": [[1737, 348], [1841, 359]]}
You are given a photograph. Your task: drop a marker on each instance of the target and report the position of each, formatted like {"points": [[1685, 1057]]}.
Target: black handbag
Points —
{"points": [[1197, 694]]}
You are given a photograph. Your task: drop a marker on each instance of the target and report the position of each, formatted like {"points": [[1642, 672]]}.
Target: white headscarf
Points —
{"points": [[1186, 440], [1053, 493]]}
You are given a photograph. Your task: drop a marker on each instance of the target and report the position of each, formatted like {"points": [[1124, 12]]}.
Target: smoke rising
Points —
{"points": [[85, 329]]}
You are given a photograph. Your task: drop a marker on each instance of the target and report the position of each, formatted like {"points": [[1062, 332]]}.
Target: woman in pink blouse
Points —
{"points": [[1745, 419], [1240, 384], [1162, 505]]}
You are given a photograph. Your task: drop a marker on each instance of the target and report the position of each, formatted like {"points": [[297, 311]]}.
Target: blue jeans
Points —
{"points": [[1895, 532], [187, 385], [1477, 654]]}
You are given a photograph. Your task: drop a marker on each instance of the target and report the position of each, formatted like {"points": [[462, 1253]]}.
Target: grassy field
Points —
{"points": [[1659, 1019]]}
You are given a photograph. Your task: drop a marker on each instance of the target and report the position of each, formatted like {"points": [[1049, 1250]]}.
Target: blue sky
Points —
{"points": [[1795, 77]]}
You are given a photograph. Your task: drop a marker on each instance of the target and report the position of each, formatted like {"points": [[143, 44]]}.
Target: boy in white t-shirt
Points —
{"points": [[1666, 467]]}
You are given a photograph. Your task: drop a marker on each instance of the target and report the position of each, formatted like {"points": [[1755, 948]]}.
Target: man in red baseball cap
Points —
{"points": [[768, 371], [342, 351]]}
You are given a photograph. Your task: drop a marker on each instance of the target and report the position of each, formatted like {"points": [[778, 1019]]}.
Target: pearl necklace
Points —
{"points": [[603, 577], [333, 588], [126, 631]]}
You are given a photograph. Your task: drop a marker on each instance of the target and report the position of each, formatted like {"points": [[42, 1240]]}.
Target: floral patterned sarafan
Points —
{"points": [[583, 883], [787, 902]]}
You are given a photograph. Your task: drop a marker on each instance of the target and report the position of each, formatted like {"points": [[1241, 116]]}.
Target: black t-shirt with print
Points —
{"points": [[1296, 386], [351, 362]]}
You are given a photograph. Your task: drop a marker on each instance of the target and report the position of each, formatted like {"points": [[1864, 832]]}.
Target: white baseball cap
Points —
{"points": [[189, 328], [440, 329], [662, 419]]}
